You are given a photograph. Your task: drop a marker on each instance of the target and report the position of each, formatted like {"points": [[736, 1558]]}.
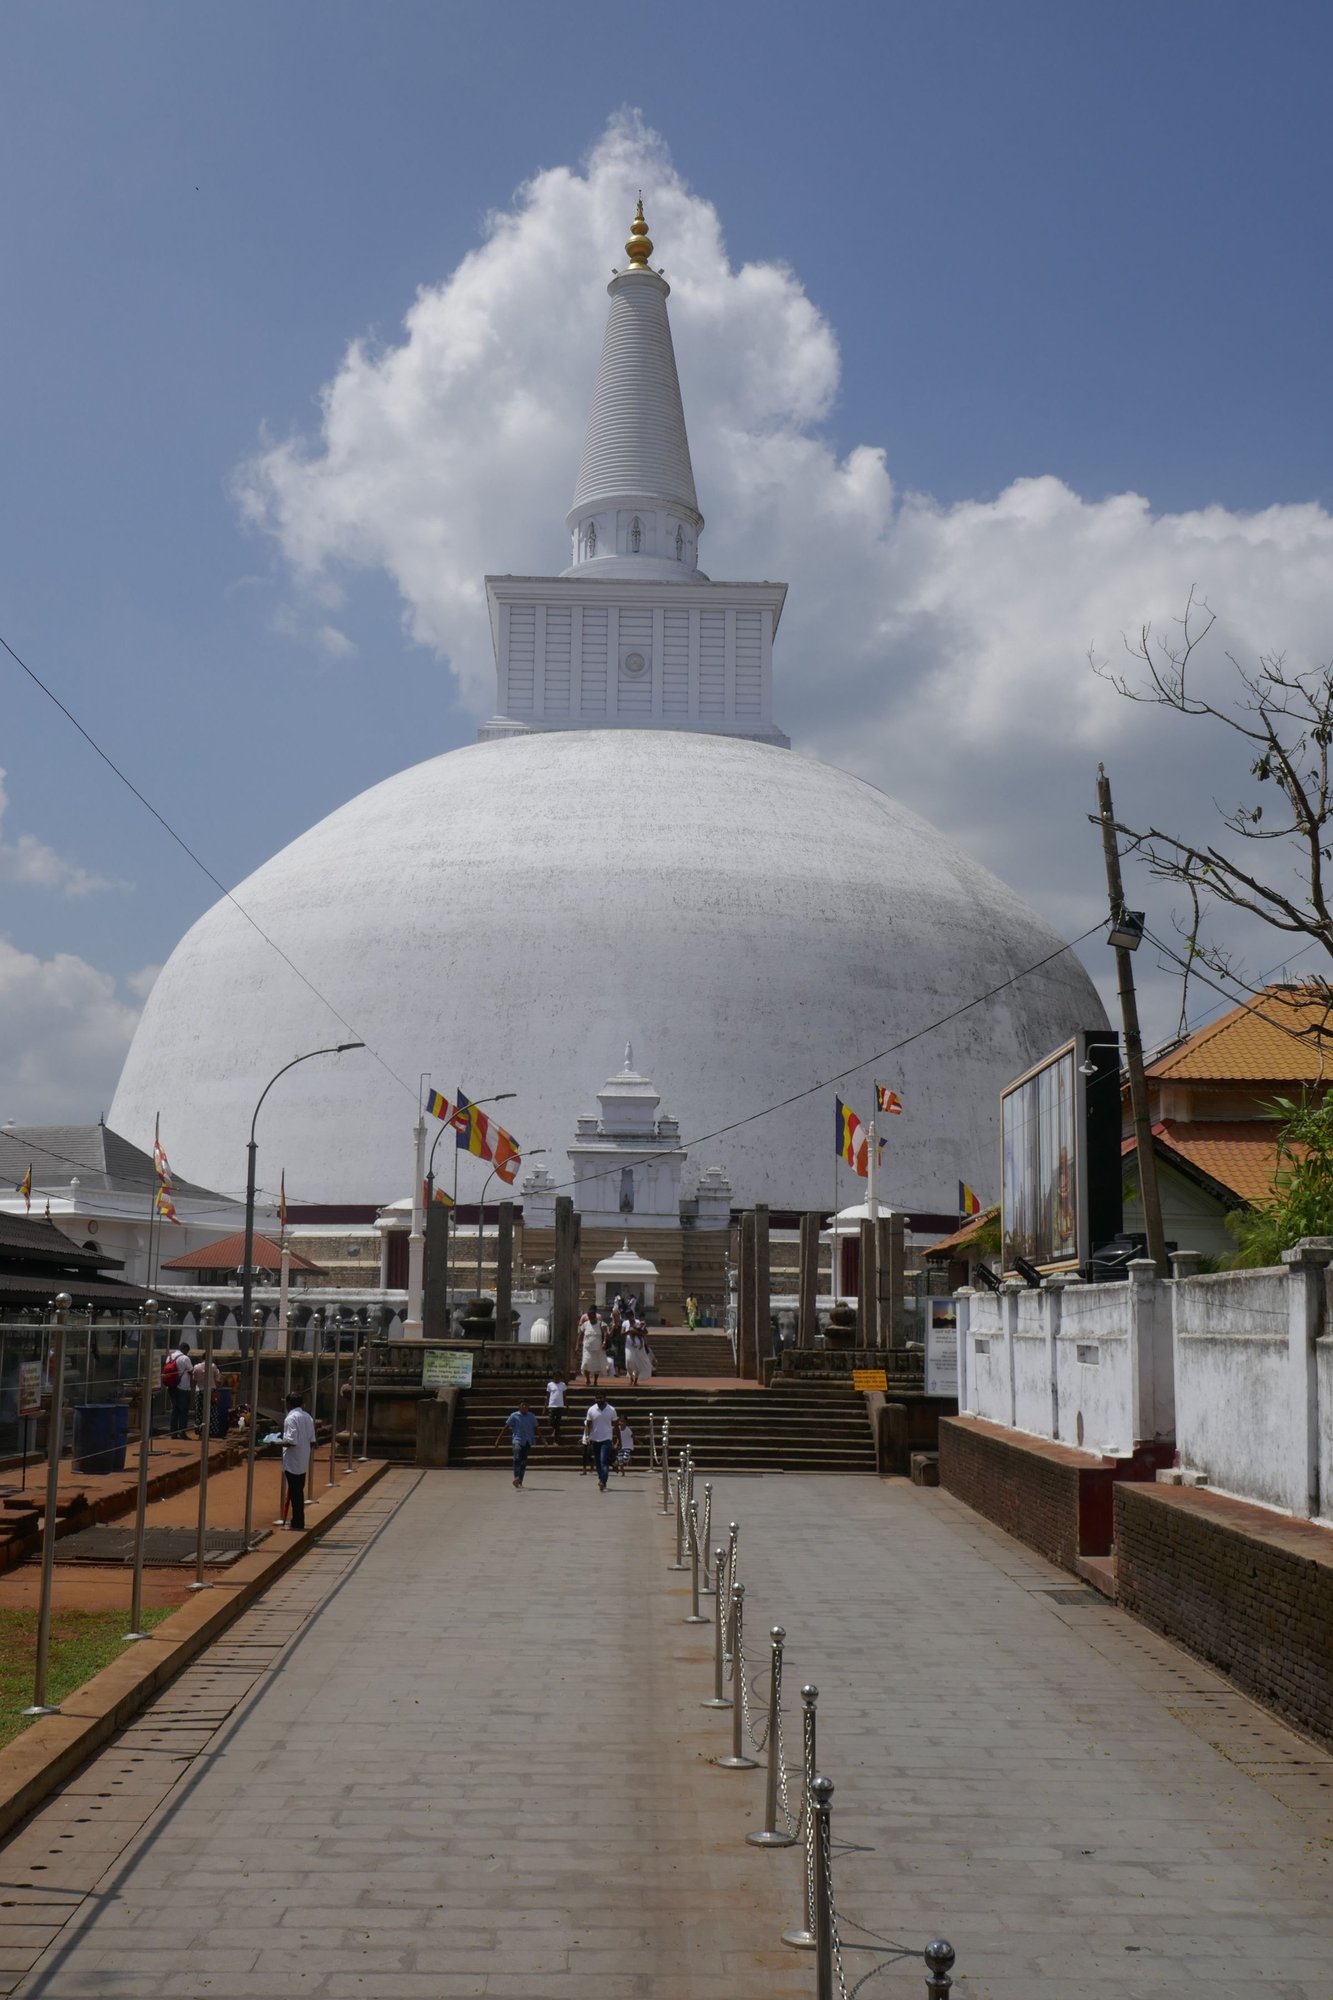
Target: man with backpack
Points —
{"points": [[178, 1381]]}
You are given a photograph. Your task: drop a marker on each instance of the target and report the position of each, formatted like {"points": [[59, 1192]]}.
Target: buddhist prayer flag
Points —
{"points": [[161, 1165], [473, 1128], [438, 1107], [969, 1202], [850, 1138], [25, 1189], [888, 1100], [162, 1202], [443, 1196], [508, 1159]]}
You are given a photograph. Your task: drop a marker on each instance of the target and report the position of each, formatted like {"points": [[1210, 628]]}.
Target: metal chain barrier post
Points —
{"points": [[652, 1443], [719, 1698], [738, 1761], [771, 1834], [205, 1439], [802, 1937], [666, 1465], [680, 1563], [696, 1616], [351, 1411], [147, 1360], [939, 1957], [365, 1395], [821, 1795], [55, 1431], [733, 1534], [705, 1531]]}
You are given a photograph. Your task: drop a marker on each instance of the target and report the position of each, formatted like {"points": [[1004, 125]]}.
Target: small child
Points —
{"points": [[626, 1447]]}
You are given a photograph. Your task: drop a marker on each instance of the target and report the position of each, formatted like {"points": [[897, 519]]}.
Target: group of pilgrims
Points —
{"points": [[616, 1345]]}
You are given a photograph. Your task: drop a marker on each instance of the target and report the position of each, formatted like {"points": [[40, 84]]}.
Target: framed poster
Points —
{"points": [[941, 1347], [446, 1368], [30, 1388]]}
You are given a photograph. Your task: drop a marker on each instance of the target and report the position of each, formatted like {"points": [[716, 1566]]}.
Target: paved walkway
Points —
{"points": [[475, 1764]]}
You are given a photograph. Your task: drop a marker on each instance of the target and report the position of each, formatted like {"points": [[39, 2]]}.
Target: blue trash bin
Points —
{"points": [[221, 1414], [101, 1431]]}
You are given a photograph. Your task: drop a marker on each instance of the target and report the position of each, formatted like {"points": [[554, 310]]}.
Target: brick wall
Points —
{"points": [[1246, 1590], [1030, 1490]]}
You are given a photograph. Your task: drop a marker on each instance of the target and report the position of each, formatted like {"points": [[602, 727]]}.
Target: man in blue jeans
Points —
{"points": [[522, 1428], [599, 1430]]}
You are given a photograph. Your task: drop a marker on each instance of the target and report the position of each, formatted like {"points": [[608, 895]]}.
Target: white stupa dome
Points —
{"points": [[507, 915], [629, 854]]}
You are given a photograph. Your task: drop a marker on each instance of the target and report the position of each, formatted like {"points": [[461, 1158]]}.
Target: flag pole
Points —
{"points": [[872, 1163], [152, 1201]]}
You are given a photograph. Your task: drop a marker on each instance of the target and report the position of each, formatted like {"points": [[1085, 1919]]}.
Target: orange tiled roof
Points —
{"points": [[1256, 1043], [1238, 1153], [961, 1237], [228, 1253]]}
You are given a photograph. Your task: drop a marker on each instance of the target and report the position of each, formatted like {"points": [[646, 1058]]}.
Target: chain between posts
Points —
{"points": [[705, 1533]]}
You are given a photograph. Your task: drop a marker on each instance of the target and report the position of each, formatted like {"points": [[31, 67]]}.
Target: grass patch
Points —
{"points": [[82, 1643]]}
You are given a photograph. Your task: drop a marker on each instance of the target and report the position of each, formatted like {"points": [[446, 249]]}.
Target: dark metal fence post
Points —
{"points": [[147, 1358], [205, 1440], [55, 1433]]}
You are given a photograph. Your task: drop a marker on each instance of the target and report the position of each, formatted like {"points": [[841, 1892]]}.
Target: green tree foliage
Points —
{"points": [[1302, 1199]]}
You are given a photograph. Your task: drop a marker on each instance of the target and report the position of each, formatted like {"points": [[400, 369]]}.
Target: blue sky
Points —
{"points": [[1050, 240]]}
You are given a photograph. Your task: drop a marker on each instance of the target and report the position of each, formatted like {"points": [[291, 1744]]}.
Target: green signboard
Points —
{"points": [[446, 1368]]}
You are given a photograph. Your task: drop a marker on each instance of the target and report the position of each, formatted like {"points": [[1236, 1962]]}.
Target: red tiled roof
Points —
{"points": [[948, 1246], [1239, 1154], [1268, 1040], [228, 1254]]}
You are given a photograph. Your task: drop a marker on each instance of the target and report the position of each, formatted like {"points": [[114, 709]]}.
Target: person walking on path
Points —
{"points": [[593, 1361], [599, 1431], [626, 1451], [298, 1442], [178, 1376], [691, 1312], [521, 1425], [634, 1356], [555, 1404]]}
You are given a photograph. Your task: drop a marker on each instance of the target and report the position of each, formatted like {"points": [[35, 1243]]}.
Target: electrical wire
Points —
{"points": [[826, 1083], [203, 867]]}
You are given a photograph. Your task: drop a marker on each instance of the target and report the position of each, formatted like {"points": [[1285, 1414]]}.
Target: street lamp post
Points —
{"points": [[247, 1272], [535, 1154]]}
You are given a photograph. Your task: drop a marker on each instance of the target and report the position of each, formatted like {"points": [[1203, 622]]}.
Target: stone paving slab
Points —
{"points": [[475, 1763]]}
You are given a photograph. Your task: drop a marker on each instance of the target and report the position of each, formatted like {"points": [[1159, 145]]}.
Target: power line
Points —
{"points": [[203, 867], [866, 1062]]}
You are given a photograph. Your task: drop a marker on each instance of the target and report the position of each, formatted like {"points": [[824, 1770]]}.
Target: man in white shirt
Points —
{"points": [[178, 1373], [298, 1441], [555, 1404], [599, 1430]]}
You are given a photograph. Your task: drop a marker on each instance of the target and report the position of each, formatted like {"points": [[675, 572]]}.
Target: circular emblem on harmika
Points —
{"points": [[634, 663]]}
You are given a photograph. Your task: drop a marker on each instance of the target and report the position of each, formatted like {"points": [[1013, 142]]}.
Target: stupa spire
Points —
{"points": [[635, 509]]}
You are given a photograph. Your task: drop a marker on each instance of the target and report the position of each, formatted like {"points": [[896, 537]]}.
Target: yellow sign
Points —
{"points": [[869, 1378]]}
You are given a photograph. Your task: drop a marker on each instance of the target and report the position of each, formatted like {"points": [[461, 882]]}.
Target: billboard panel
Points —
{"points": [[1060, 1155]]}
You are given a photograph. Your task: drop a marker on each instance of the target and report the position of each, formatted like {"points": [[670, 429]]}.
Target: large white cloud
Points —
{"points": [[939, 650], [64, 1030]]}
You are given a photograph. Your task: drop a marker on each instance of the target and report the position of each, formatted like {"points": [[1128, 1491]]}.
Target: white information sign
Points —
{"points": [[30, 1388], [941, 1347]]}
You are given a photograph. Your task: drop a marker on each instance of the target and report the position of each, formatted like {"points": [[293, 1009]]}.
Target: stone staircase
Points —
{"points": [[814, 1427], [680, 1352]]}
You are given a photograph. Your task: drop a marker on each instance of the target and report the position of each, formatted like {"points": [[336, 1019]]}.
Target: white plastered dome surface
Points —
{"points": [[507, 916]]}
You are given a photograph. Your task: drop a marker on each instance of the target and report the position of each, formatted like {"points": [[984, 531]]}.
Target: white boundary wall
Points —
{"points": [[1237, 1366], [1086, 1365]]}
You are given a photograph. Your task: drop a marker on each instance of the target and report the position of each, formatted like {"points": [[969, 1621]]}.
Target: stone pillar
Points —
{"points": [[564, 1319], [575, 1283], [1009, 1295], [867, 1302], [763, 1291], [1306, 1264], [807, 1323], [745, 1354], [893, 1288], [963, 1302], [504, 1271], [435, 1299]]}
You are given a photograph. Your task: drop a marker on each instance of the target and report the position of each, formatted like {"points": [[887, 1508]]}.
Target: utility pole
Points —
{"points": [[1129, 1018]]}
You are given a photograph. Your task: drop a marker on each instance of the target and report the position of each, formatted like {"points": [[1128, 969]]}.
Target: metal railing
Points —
{"points": [[821, 1927]]}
